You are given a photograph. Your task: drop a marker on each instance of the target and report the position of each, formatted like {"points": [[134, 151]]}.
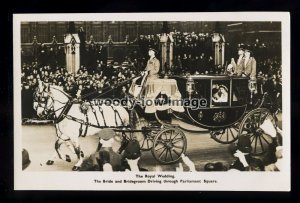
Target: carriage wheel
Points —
{"points": [[226, 135], [250, 126], [128, 136], [168, 145], [145, 137]]}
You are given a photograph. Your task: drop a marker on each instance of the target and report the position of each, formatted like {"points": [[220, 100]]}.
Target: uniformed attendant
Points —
{"points": [[153, 65], [238, 66], [249, 64]]}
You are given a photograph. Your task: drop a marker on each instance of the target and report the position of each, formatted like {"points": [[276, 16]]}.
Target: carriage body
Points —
{"points": [[217, 113], [230, 111]]}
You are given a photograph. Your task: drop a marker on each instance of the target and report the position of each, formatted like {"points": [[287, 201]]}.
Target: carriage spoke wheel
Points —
{"points": [[146, 143], [168, 145], [226, 135], [250, 126], [145, 137]]}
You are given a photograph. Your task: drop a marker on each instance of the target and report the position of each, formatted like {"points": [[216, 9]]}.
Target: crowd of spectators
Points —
{"points": [[192, 55], [84, 85], [105, 77]]}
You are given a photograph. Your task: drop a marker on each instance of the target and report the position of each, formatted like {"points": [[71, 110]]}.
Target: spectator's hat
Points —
{"points": [[155, 51], [218, 166], [25, 159], [125, 63], [132, 150], [116, 65], [244, 144], [106, 134]]}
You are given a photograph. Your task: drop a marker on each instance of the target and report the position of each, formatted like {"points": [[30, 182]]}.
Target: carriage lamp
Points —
{"points": [[252, 85], [190, 86]]}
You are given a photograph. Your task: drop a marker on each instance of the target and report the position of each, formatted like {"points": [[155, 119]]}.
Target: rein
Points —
{"points": [[65, 109]]}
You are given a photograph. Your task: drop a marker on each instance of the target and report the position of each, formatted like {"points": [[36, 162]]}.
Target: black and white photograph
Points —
{"points": [[152, 101]]}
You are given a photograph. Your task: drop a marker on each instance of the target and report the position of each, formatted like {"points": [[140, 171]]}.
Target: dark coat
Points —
{"points": [[254, 164]]}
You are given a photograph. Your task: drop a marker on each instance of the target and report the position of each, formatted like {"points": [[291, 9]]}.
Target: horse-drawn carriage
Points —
{"points": [[228, 110], [232, 108]]}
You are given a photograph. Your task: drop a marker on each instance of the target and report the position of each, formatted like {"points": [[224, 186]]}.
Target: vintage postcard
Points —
{"points": [[152, 101]]}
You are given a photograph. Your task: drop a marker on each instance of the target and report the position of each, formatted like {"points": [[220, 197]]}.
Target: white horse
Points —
{"points": [[71, 122]]}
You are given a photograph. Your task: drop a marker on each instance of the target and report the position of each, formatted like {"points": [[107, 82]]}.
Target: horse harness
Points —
{"points": [[67, 107]]}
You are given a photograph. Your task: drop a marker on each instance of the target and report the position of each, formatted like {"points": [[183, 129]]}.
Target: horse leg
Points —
{"points": [[79, 154], [57, 144], [66, 141], [71, 147], [56, 154]]}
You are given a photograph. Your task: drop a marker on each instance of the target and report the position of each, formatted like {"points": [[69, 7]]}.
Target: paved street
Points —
{"points": [[39, 141]]}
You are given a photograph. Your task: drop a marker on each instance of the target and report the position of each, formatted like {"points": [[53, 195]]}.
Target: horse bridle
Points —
{"points": [[41, 99]]}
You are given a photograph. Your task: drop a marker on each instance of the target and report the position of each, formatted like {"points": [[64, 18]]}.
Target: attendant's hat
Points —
{"points": [[155, 51], [241, 46], [106, 134], [248, 48]]}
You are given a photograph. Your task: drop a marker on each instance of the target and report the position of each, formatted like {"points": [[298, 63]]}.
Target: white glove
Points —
{"points": [[179, 168], [133, 163], [188, 162], [241, 156]]}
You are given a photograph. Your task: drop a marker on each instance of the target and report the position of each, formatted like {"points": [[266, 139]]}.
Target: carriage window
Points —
{"points": [[240, 92], [220, 93]]}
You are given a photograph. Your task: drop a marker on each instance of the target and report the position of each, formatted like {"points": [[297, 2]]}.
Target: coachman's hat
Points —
{"points": [[155, 51]]}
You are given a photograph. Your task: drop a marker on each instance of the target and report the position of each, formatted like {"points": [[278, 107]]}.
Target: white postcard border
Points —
{"points": [[227, 181]]}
